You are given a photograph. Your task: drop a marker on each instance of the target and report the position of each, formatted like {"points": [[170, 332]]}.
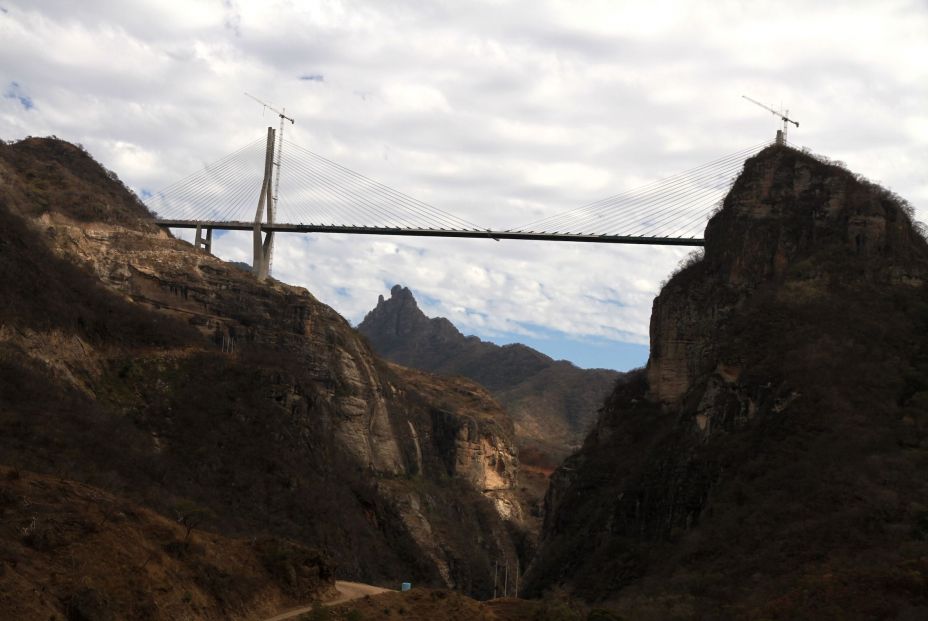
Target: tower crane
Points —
{"points": [[783, 114]]}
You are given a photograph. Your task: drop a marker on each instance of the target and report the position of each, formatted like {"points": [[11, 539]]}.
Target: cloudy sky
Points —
{"points": [[500, 112]]}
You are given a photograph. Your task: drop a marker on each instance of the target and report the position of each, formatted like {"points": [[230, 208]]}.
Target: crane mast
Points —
{"points": [[783, 114], [280, 142]]}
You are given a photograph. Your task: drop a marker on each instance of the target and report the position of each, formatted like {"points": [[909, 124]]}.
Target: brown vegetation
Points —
{"points": [[71, 551]]}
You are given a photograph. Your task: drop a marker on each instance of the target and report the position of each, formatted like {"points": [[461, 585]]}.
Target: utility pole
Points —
{"points": [[275, 182]]}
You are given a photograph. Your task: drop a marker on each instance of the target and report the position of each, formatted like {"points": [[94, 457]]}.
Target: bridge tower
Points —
{"points": [[264, 250], [261, 263]]}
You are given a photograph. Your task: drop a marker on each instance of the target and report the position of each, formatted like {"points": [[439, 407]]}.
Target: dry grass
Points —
{"points": [[72, 551]]}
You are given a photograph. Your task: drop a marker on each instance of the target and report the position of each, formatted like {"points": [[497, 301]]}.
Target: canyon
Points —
{"points": [[239, 445]]}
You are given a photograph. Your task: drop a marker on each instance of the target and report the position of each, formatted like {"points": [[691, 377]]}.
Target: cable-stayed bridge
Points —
{"points": [[246, 191]]}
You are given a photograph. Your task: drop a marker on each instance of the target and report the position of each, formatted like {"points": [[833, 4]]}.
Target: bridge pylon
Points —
{"points": [[203, 243], [263, 248]]}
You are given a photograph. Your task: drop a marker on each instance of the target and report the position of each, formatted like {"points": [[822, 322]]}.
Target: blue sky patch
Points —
{"points": [[15, 91], [312, 77], [586, 353]]}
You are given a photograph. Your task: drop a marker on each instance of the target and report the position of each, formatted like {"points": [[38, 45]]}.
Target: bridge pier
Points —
{"points": [[206, 243], [263, 248]]}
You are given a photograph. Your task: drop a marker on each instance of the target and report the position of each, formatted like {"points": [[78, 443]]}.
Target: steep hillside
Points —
{"points": [[552, 403], [72, 550], [131, 362], [771, 462]]}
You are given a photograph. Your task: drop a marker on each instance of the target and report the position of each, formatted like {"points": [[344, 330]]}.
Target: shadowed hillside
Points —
{"points": [[771, 461], [73, 549]]}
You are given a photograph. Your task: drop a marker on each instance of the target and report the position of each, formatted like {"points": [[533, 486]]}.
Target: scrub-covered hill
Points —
{"points": [[76, 551]]}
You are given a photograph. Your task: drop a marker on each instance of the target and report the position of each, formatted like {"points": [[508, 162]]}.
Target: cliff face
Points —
{"points": [[790, 222], [770, 462], [136, 364], [552, 403]]}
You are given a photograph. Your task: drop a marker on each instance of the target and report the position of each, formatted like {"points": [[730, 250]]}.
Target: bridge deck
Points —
{"points": [[473, 233]]}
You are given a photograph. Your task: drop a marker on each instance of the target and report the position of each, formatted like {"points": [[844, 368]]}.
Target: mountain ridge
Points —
{"points": [[552, 402]]}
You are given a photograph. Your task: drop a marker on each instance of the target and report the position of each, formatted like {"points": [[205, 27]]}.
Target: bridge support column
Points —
{"points": [[261, 264], [206, 243]]}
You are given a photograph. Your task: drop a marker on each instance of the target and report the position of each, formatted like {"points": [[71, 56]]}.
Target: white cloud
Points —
{"points": [[501, 112]]}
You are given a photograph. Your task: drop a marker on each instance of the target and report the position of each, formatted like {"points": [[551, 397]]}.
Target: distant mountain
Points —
{"points": [[552, 402]]}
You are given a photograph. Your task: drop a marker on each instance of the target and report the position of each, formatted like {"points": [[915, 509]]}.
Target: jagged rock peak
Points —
{"points": [[402, 293], [397, 292], [397, 316], [401, 300]]}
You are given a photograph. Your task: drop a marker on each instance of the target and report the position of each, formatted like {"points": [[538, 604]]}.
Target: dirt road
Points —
{"points": [[347, 591]]}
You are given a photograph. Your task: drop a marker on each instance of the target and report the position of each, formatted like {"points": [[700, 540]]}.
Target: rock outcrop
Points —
{"points": [[134, 363], [771, 460], [552, 403], [788, 209]]}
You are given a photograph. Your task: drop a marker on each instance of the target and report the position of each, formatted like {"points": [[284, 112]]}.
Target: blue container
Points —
{"points": [[406, 586]]}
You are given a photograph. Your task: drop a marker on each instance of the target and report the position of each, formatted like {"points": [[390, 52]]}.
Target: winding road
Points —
{"points": [[347, 591]]}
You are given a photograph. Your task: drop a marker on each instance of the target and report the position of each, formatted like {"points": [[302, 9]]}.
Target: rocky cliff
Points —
{"points": [[552, 403], [132, 362], [771, 460]]}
